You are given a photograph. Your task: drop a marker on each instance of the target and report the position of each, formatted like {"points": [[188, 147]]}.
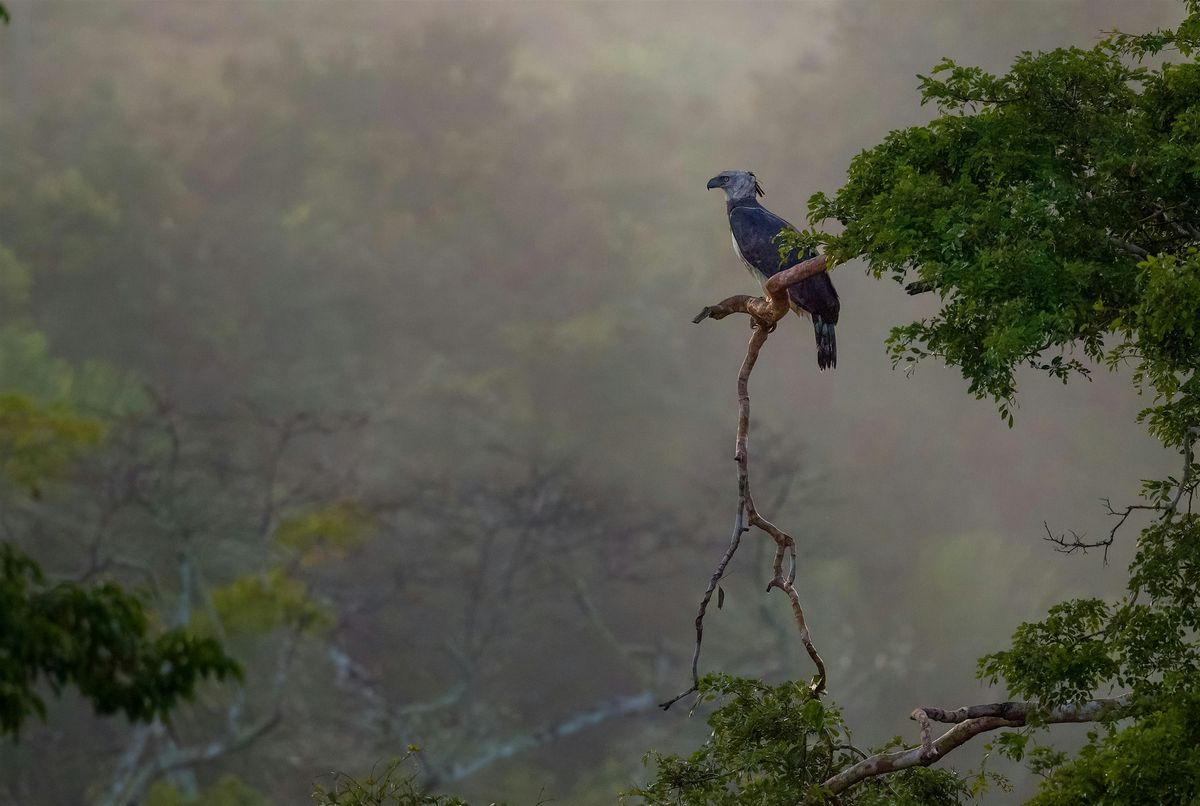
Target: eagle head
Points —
{"points": [[736, 184]]}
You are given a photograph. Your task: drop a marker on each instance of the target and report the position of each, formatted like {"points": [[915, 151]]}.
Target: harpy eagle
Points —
{"points": [[754, 229]]}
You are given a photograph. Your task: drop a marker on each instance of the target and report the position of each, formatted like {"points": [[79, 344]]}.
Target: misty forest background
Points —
{"points": [[383, 310]]}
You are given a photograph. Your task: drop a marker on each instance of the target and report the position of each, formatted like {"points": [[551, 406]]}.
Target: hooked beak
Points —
{"points": [[715, 182]]}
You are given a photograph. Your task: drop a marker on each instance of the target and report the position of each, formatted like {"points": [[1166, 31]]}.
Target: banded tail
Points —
{"points": [[826, 343]]}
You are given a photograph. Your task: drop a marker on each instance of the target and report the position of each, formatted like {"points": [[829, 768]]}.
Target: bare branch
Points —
{"points": [[920, 756], [1077, 542], [765, 312], [1089, 711], [970, 721], [177, 758]]}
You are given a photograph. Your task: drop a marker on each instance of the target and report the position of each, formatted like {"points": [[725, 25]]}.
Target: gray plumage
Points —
{"points": [[754, 229]]}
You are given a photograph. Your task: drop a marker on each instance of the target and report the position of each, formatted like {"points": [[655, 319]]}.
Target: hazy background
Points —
{"points": [[437, 262]]}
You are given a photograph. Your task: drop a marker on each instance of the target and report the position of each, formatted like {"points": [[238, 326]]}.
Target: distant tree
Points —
{"points": [[1055, 211], [262, 524], [96, 639]]}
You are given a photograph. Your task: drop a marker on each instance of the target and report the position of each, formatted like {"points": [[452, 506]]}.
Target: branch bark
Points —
{"points": [[765, 313], [970, 721]]}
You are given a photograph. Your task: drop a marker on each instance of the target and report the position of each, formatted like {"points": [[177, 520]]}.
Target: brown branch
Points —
{"points": [[970, 721], [765, 313]]}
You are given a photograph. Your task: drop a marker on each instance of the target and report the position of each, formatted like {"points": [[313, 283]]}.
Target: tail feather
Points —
{"points": [[826, 343]]}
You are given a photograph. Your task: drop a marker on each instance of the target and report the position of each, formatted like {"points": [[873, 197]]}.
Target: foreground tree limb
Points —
{"points": [[969, 722], [765, 313]]}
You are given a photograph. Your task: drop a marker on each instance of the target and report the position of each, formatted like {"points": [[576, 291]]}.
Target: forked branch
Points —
{"points": [[765, 313], [969, 722]]}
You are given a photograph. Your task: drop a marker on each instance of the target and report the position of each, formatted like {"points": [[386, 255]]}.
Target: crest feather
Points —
{"points": [[758, 191]]}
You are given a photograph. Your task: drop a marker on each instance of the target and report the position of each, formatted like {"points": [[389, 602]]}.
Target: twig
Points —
{"points": [[735, 540], [765, 313], [1077, 542]]}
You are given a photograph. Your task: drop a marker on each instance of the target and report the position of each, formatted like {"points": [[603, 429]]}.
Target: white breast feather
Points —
{"points": [[750, 268]]}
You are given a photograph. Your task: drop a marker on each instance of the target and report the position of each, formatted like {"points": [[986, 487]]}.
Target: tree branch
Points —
{"points": [[547, 733], [765, 311], [177, 758], [970, 721], [1128, 248]]}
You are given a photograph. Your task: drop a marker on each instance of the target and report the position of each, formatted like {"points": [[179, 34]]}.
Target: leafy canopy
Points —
{"points": [[778, 744], [95, 639], [1055, 210]]}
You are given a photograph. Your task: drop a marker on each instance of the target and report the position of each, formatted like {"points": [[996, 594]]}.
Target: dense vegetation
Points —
{"points": [[1053, 208], [343, 361]]}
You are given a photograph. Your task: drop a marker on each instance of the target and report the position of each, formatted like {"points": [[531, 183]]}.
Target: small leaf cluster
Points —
{"points": [[1155, 760], [315, 534], [279, 597], [777, 744], [97, 640], [394, 786], [37, 442], [260, 603]]}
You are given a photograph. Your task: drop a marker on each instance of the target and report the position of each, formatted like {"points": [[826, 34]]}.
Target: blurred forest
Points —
{"points": [[383, 310]]}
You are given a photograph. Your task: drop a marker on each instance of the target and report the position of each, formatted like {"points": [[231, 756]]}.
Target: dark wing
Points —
{"points": [[754, 229]]}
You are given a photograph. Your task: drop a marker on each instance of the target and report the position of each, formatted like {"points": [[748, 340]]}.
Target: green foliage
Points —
{"points": [[1059, 660], [229, 790], [315, 534], [37, 442], [394, 786], [97, 640], [1021, 205], [1056, 209], [259, 603], [778, 744], [1155, 760]]}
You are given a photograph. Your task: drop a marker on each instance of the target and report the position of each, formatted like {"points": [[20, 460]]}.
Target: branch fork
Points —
{"points": [[765, 313]]}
